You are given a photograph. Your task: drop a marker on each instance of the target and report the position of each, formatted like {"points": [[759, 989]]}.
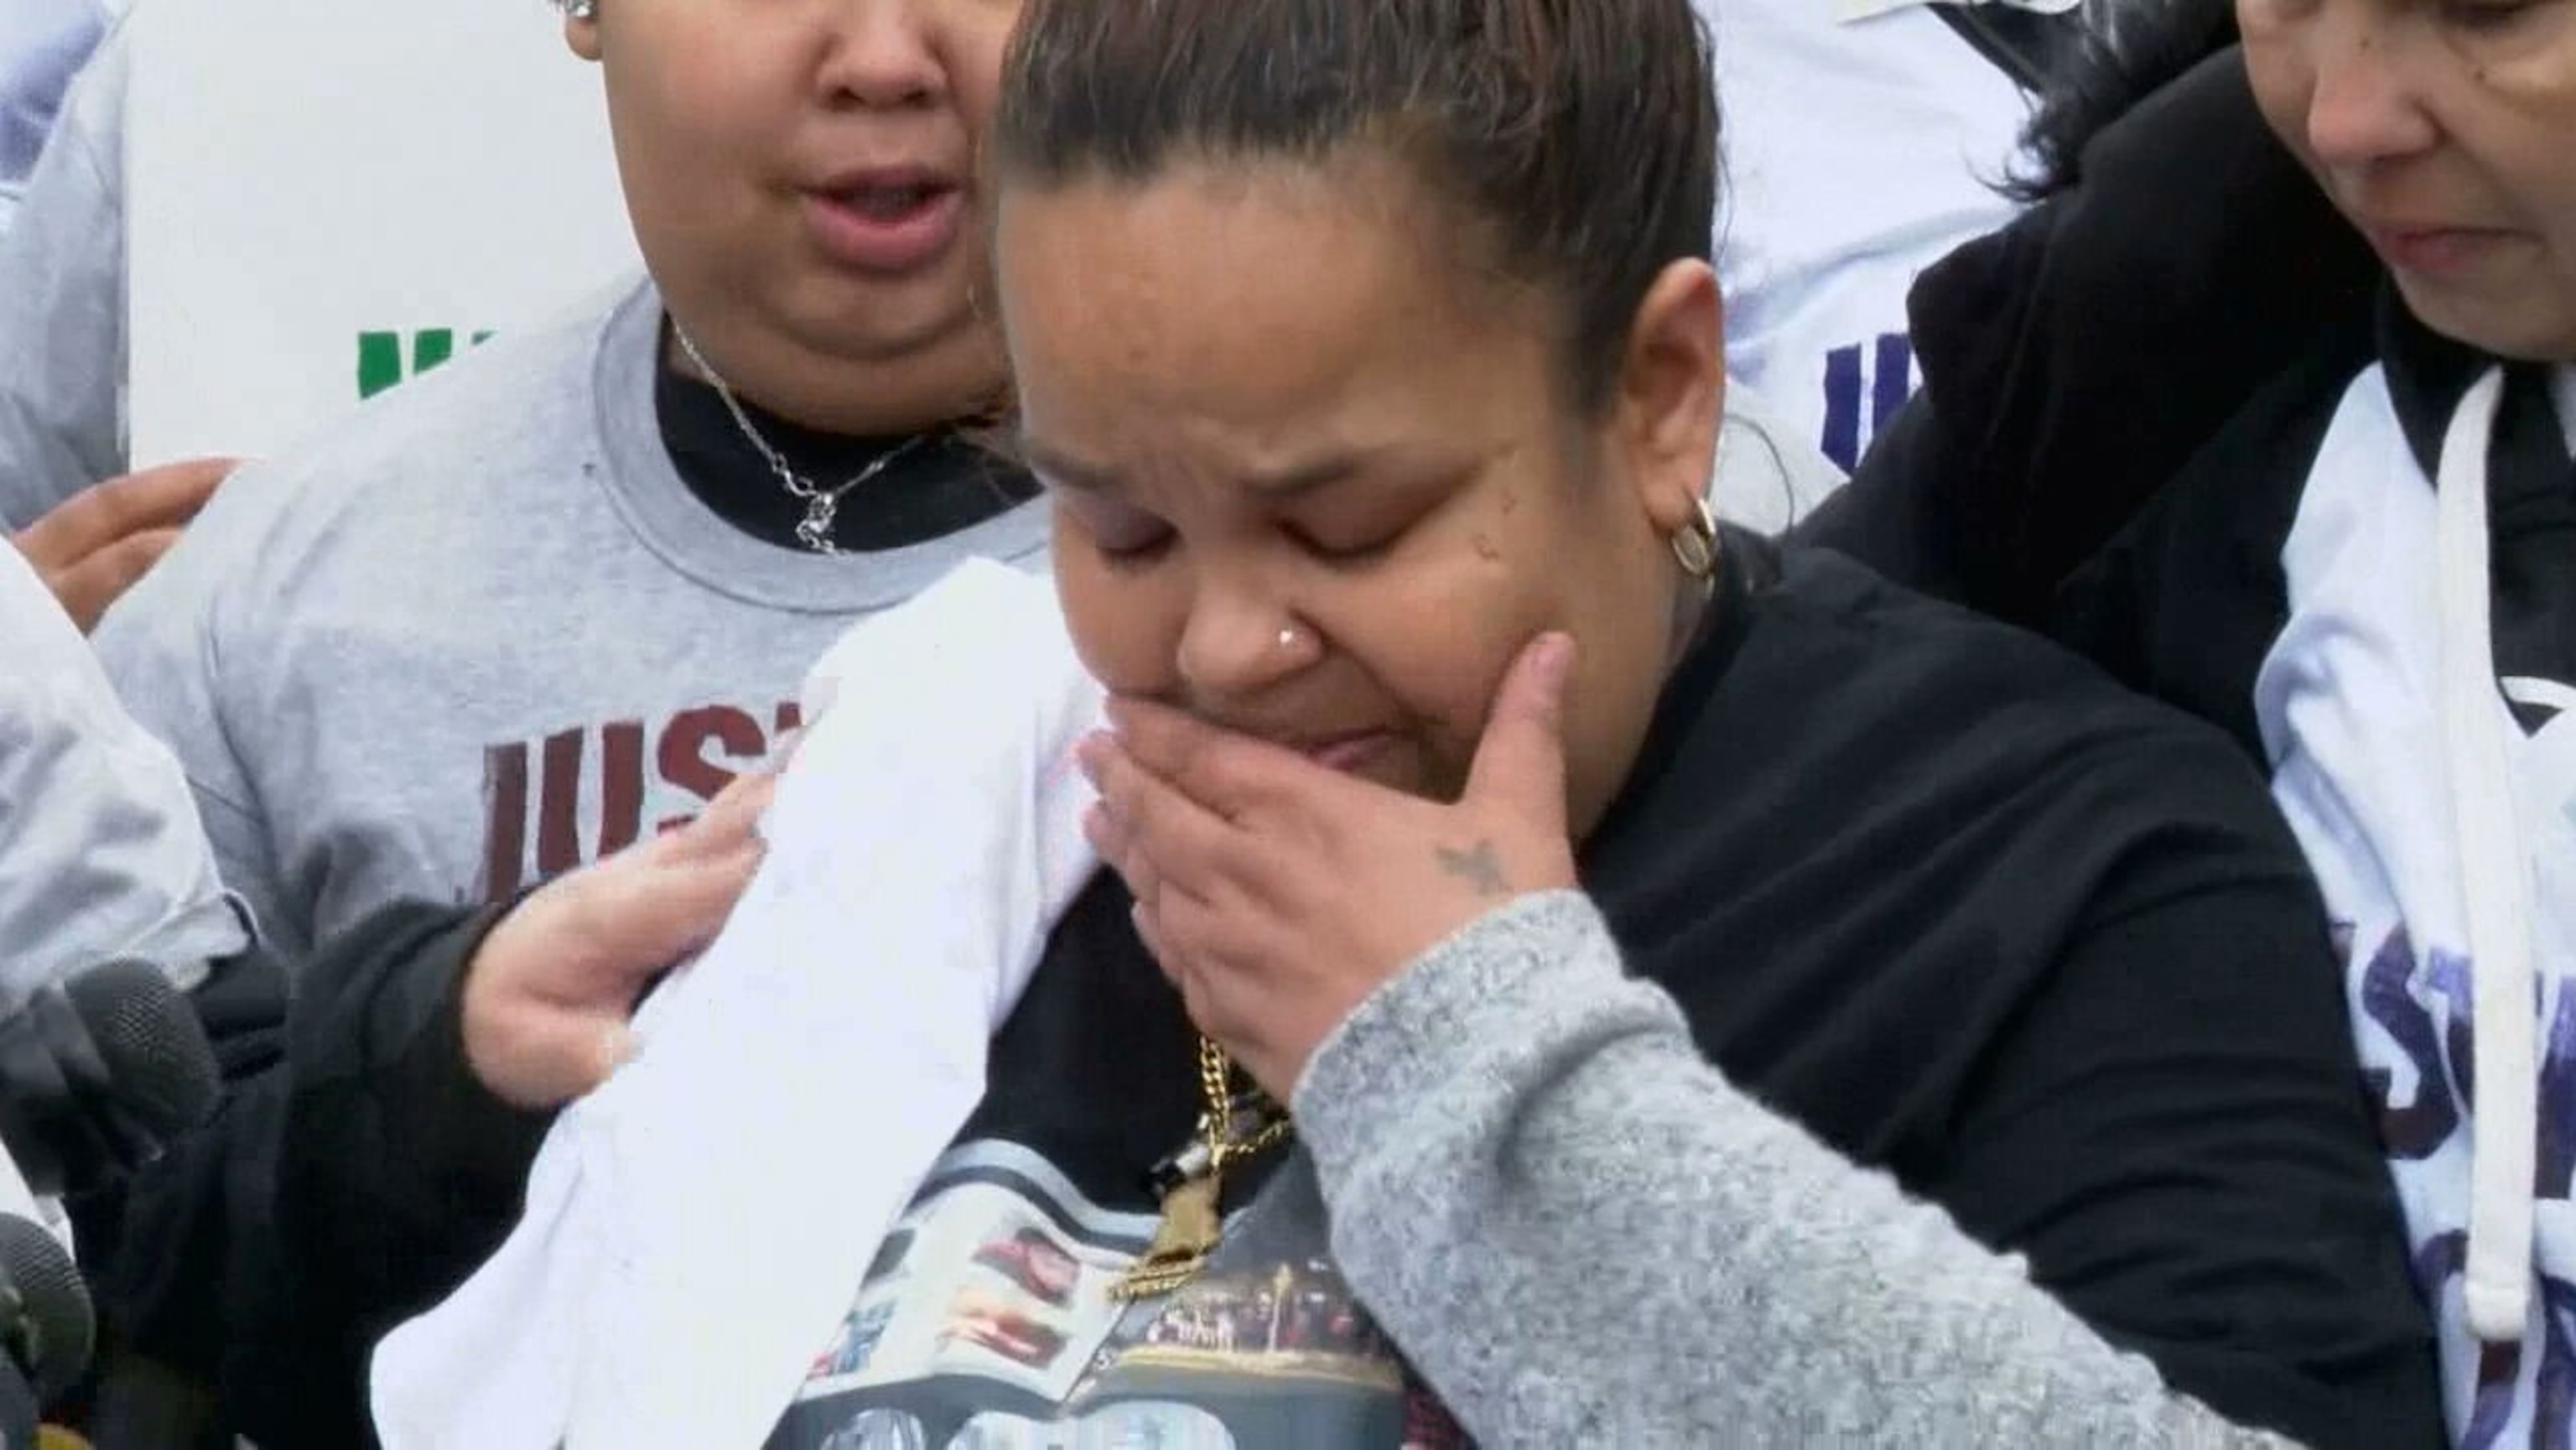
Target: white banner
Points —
{"points": [[326, 197]]}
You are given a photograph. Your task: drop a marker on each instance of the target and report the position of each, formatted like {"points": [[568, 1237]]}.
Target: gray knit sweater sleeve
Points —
{"points": [[1582, 1234]]}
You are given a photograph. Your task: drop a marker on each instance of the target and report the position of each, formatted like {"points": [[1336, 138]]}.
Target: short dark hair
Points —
{"points": [[1576, 138], [2130, 50]]}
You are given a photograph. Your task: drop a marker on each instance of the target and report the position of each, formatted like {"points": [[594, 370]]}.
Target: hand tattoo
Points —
{"points": [[1479, 867]]}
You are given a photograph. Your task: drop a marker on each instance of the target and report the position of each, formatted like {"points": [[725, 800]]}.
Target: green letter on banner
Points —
{"points": [[380, 356]]}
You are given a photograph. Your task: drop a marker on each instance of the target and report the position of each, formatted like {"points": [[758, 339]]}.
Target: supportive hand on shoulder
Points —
{"points": [[1278, 894], [97, 543], [550, 995]]}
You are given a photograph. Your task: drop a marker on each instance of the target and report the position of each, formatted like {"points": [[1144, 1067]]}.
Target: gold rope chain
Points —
{"points": [[1216, 1079]]}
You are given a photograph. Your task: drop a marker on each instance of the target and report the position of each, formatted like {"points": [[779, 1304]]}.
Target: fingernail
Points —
{"points": [[1555, 655], [618, 1046], [1091, 754]]}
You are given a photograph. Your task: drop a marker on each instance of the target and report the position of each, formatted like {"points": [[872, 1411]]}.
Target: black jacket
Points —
{"points": [[349, 1182]]}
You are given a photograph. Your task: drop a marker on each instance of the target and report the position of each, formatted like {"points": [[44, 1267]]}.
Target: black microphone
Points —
{"points": [[48, 1329], [98, 1073]]}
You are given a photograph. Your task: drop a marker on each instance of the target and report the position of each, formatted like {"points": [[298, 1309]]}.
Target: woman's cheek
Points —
{"points": [[1452, 692], [1122, 641]]}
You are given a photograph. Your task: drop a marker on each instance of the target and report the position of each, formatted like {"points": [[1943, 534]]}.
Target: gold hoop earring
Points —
{"points": [[1695, 543]]}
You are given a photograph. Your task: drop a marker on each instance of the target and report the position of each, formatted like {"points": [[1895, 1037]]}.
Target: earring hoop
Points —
{"points": [[1695, 543]]}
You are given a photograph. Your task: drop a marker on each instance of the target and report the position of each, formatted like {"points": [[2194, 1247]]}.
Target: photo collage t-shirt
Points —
{"points": [[988, 1321]]}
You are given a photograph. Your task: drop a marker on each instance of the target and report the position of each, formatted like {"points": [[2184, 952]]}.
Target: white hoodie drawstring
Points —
{"points": [[2495, 878]]}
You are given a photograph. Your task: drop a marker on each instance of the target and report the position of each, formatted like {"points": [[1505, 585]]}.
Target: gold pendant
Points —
{"points": [[1182, 1242]]}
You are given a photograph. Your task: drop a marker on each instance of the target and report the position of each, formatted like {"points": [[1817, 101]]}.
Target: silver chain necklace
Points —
{"points": [[822, 505]]}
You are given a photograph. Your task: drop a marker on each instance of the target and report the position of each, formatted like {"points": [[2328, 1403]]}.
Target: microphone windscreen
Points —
{"points": [[148, 1037], [18, 1410], [51, 1324]]}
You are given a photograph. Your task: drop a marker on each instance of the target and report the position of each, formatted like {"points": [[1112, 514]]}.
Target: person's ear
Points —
{"points": [[1671, 393]]}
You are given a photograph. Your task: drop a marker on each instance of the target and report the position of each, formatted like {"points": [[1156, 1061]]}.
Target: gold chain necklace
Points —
{"points": [[1193, 1211]]}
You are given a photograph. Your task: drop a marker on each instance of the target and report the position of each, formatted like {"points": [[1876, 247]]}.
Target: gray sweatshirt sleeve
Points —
{"points": [[101, 851], [62, 305], [1582, 1234]]}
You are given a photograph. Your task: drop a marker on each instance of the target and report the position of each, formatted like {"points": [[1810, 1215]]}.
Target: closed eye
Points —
{"points": [[1128, 552], [1345, 553], [1124, 536], [2488, 14]]}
